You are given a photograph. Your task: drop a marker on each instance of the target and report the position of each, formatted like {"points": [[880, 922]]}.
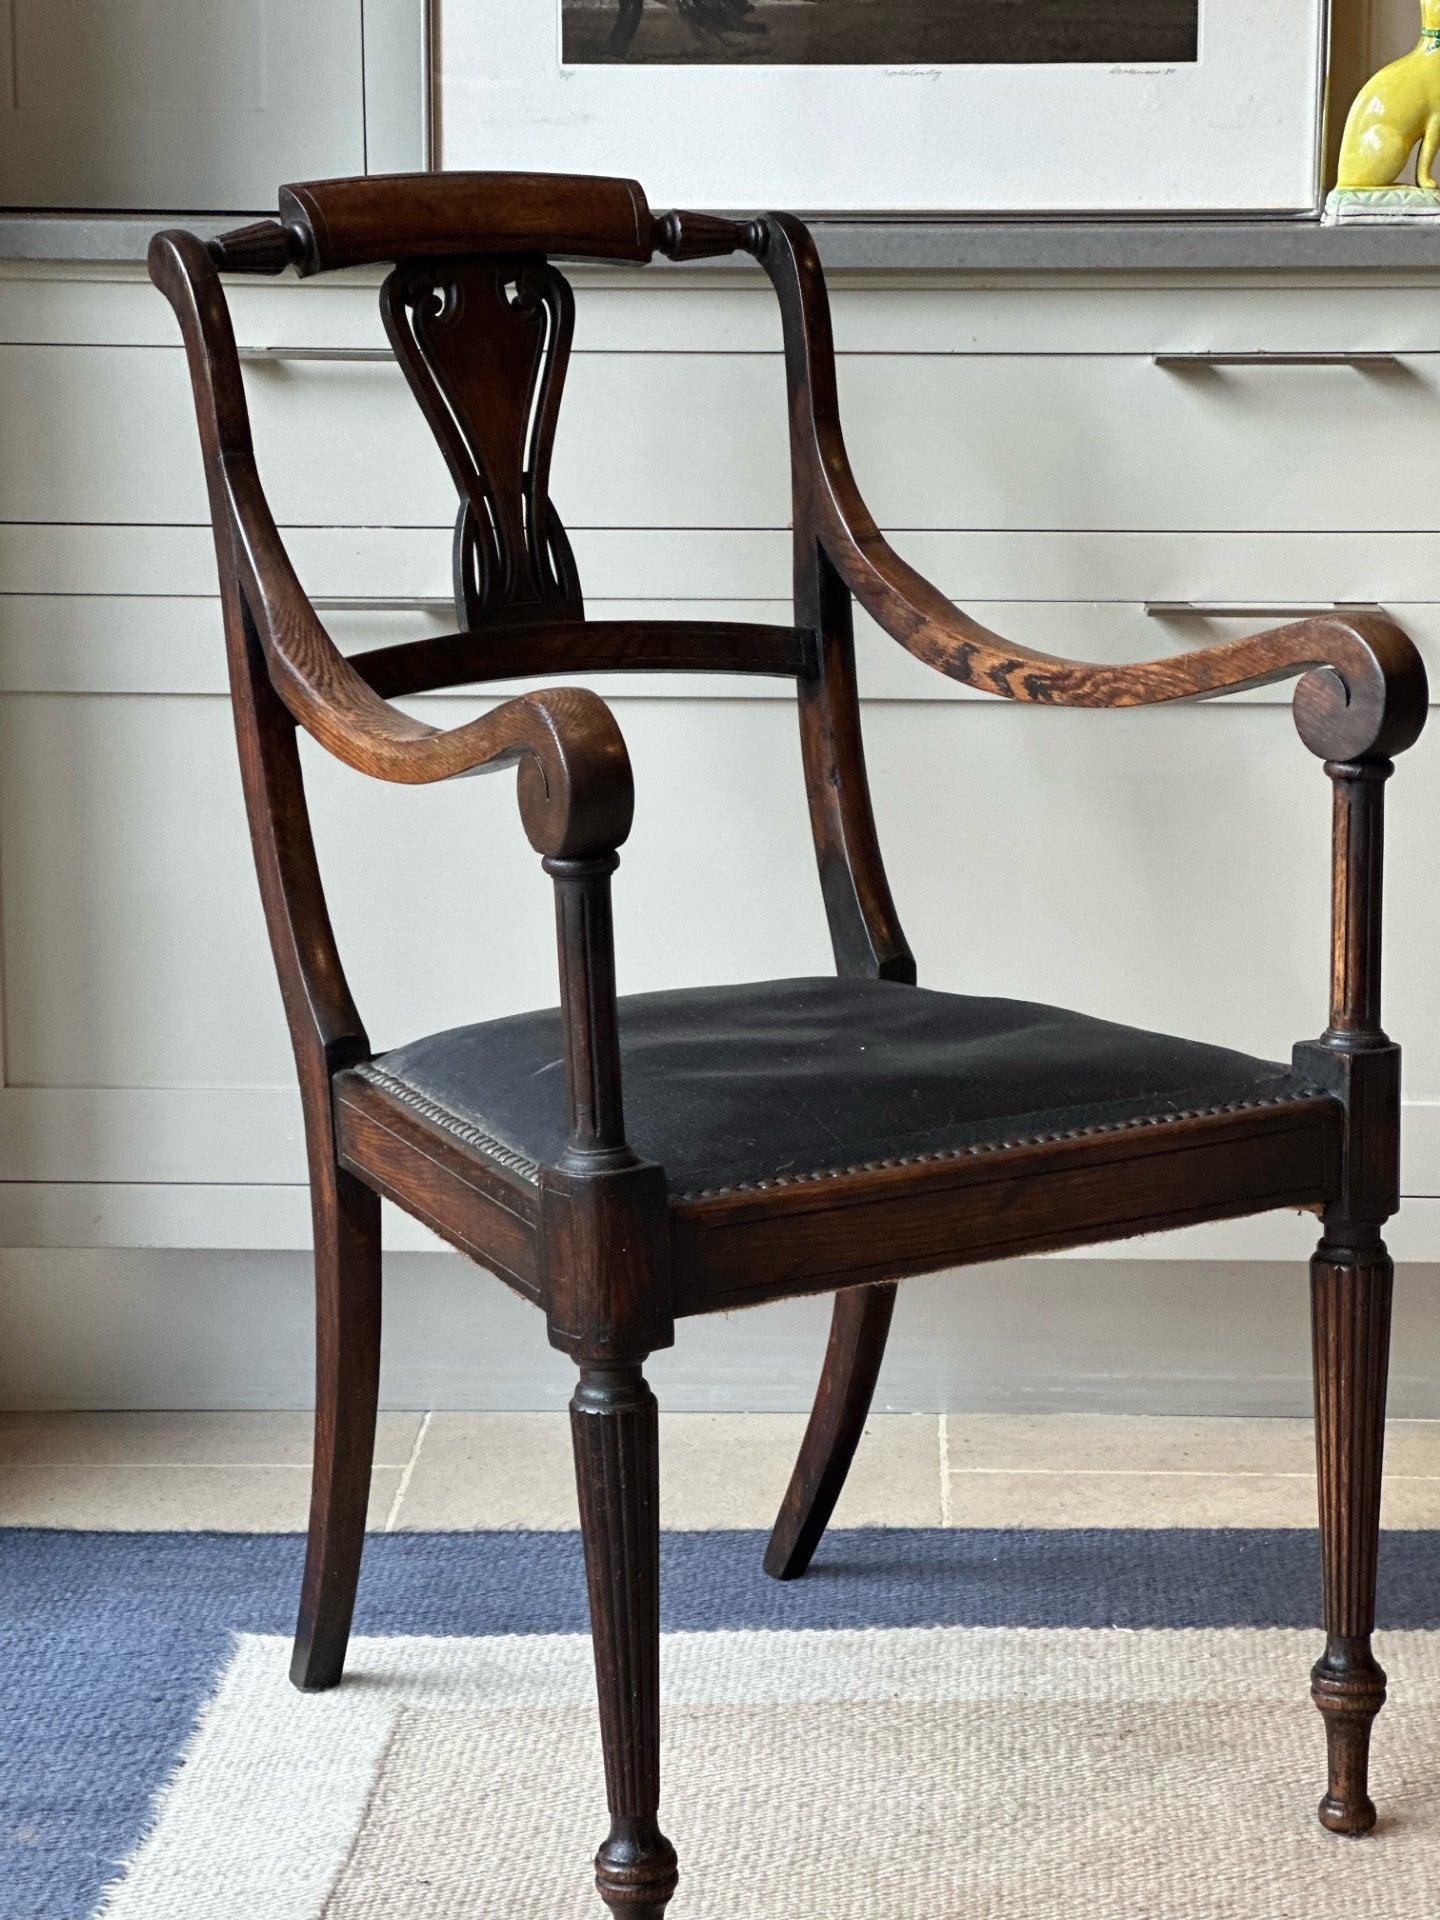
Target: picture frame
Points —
{"points": [[1234, 130]]}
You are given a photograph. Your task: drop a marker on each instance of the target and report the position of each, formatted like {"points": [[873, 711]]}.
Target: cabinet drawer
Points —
{"points": [[342, 443], [339, 443], [136, 644], [1115, 442], [1090, 441], [120, 609], [1073, 442]]}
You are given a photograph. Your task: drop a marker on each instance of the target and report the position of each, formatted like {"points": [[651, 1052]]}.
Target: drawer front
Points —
{"points": [[102, 608], [687, 441], [1114, 442], [754, 564], [1078, 442], [708, 310], [114, 434], [90, 643]]}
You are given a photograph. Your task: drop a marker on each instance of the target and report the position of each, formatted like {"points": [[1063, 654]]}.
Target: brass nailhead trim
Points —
{"points": [[530, 1170], [939, 1155], [438, 1116]]}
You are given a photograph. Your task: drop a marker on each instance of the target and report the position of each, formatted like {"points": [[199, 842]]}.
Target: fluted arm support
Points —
{"points": [[1362, 692]]}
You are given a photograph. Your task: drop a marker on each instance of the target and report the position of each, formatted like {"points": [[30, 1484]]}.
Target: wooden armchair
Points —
{"points": [[718, 1147]]}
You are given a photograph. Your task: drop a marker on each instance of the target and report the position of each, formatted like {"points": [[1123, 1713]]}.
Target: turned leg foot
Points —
{"points": [[617, 1469], [635, 1870], [1350, 1295], [1349, 1689]]}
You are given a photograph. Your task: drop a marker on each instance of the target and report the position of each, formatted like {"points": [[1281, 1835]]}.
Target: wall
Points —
{"points": [[201, 1328], [1394, 29]]}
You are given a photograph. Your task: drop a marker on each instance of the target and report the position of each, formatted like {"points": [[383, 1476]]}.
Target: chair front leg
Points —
{"points": [[1350, 1287], [614, 1425]]}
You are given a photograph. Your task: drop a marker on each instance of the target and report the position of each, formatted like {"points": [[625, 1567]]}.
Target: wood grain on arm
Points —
{"points": [[1363, 693]]}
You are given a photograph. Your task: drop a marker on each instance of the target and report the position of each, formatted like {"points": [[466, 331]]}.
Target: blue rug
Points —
{"points": [[111, 1644]]}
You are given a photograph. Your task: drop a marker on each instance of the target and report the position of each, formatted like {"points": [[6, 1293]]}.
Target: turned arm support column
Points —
{"points": [[585, 936], [1357, 876], [604, 1231], [1354, 1058]]}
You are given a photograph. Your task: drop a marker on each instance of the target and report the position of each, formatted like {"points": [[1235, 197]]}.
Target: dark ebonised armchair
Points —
{"points": [[712, 1148]]}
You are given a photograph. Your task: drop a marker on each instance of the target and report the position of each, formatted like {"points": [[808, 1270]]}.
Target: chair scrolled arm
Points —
{"points": [[1363, 693], [574, 784], [1362, 708], [576, 792]]}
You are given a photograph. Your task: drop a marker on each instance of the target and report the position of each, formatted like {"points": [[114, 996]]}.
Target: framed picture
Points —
{"points": [[899, 106]]}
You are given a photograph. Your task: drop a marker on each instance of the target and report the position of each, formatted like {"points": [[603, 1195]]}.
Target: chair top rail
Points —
{"points": [[324, 225]]}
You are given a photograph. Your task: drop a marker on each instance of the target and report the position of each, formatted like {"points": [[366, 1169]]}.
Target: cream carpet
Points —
{"points": [[951, 1773]]}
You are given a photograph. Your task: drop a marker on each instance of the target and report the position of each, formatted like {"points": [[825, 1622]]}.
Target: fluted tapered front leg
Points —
{"points": [[1350, 1298], [617, 1467]]}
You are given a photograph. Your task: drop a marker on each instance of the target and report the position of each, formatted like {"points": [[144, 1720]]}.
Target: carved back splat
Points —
{"points": [[484, 343]]}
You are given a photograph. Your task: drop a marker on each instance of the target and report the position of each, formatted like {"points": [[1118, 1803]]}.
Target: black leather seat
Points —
{"points": [[753, 1085]]}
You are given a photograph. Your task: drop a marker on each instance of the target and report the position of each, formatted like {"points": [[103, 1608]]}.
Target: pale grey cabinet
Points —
{"points": [[204, 105]]}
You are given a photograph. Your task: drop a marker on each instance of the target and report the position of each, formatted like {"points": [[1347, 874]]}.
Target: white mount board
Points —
{"points": [[1234, 131]]}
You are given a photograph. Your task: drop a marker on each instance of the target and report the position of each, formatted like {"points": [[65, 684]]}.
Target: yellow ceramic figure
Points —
{"points": [[1399, 107]]}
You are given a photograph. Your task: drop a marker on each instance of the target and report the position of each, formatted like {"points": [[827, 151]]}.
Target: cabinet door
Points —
{"points": [[176, 106]]}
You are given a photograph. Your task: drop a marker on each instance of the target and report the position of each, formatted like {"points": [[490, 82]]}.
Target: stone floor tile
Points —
{"points": [[231, 1499], [999, 1499], [183, 1439], [716, 1470]]}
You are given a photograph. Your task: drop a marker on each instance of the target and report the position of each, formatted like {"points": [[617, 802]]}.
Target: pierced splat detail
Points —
{"points": [[485, 344]]}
